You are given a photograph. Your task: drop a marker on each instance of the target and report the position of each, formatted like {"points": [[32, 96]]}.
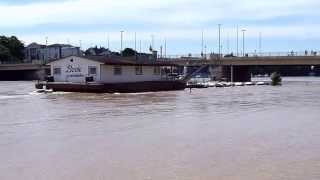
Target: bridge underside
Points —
{"points": [[23, 75], [244, 73], [286, 70]]}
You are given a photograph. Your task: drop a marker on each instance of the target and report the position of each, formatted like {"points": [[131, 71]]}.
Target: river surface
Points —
{"points": [[239, 133]]}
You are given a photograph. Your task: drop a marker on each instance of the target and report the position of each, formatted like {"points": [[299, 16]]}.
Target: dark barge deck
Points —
{"points": [[130, 87]]}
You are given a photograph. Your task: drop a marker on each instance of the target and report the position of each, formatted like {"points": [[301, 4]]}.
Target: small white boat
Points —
{"points": [[261, 83], [249, 84], [220, 84], [44, 91], [228, 84], [211, 84], [239, 84]]}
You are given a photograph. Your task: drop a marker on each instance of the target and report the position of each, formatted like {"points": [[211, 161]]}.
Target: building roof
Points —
{"points": [[35, 45], [129, 61], [60, 45], [124, 61], [52, 45]]}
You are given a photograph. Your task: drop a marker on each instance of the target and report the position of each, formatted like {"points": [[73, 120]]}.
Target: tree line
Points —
{"points": [[11, 49]]}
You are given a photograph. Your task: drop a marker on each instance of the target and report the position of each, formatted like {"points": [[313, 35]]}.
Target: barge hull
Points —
{"points": [[135, 87]]}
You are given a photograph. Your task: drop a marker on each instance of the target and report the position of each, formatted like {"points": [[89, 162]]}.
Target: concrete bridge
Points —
{"points": [[231, 68], [23, 71], [249, 61], [240, 68]]}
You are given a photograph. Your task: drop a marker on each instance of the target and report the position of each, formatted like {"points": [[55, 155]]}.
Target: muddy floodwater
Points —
{"points": [[239, 133]]}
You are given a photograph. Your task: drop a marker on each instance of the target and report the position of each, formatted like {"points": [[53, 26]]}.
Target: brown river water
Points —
{"points": [[239, 133]]}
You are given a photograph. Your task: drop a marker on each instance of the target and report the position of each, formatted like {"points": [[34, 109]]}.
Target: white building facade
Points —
{"points": [[52, 52]]}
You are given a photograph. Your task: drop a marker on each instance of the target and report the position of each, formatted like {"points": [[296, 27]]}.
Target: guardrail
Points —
{"points": [[35, 62], [254, 54]]}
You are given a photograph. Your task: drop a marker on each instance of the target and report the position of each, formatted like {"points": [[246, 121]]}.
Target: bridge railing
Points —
{"points": [[252, 54], [289, 53], [36, 62]]}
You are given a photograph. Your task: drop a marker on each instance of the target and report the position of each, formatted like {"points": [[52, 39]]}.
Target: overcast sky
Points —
{"points": [[285, 25]]}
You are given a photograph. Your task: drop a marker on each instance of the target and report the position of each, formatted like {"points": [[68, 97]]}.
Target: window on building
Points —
{"points": [[92, 70], [156, 70], [139, 70], [117, 70], [56, 71]]}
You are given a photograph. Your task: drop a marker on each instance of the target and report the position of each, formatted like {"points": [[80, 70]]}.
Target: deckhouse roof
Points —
{"points": [[126, 61]]}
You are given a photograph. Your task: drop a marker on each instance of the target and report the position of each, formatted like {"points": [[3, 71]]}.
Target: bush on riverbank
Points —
{"points": [[276, 79]]}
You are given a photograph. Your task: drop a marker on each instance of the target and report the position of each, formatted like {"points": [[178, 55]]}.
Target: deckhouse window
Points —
{"points": [[92, 70], [156, 70], [56, 71], [117, 70], [139, 70]]}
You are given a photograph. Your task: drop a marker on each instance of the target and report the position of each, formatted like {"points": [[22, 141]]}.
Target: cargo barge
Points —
{"points": [[101, 74]]}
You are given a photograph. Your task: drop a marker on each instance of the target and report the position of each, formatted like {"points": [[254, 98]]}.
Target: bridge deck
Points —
{"points": [[22, 67], [252, 61]]}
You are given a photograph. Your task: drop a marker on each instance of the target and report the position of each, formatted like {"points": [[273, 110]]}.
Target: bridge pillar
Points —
{"points": [[231, 73], [216, 72], [237, 73]]}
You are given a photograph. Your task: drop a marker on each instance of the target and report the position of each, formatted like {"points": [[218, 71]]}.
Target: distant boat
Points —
{"points": [[261, 83], [220, 84], [211, 84], [249, 83], [239, 84], [229, 84], [197, 85]]}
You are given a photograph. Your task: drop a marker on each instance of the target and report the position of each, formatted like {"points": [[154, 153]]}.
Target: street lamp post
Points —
{"points": [[121, 48], [108, 41], [202, 43], [237, 40], [219, 25], [46, 57], [243, 43], [165, 48], [152, 42], [260, 43]]}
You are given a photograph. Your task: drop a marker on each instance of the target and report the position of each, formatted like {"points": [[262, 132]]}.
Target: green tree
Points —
{"points": [[4, 53], [128, 52], [11, 49]]}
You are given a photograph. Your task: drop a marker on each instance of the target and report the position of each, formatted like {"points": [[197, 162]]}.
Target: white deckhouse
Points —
{"points": [[104, 69]]}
